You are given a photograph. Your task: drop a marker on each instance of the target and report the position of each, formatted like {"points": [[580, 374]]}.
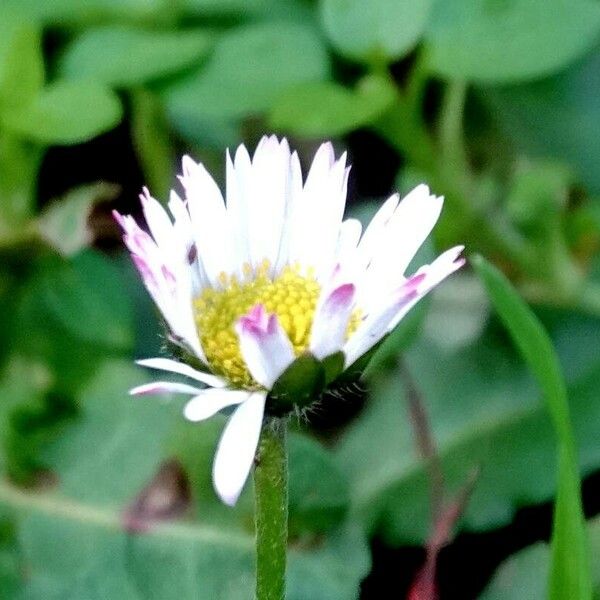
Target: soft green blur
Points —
{"points": [[494, 103]]}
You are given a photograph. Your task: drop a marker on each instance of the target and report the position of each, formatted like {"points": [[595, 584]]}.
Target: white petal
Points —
{"points": [[406, 231], [372, 236], [331, 321], [237, 448], [165, 387], [376, 325], [158, 220], [445, 264], [267, 199], [173, 366], [265, 346], [209, 402], [349, 236], [209, 219]]}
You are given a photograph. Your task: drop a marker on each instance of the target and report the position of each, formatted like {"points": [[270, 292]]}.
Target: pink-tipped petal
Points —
{"points": [[376, 325], [237, 447], [164, 387], [173, 366], [265, 346], [209, 402], [330, 322]]}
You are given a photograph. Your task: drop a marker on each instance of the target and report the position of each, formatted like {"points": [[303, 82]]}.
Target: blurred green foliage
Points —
{"points": [[494, 103]]}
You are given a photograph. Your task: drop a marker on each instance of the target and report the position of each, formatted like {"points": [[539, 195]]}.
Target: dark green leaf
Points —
{"points": [[509, 40], [484, 412], [124, 56], [558, 117], [386, 29]]}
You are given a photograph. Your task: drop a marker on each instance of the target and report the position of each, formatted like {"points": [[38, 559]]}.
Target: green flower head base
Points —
{"points": [[271, 290]]}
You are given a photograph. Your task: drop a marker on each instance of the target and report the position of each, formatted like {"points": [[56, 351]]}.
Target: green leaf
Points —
{"points": [[103, 459], [485, 413], [328, 109], [125, 56], [127, 435], [525, 574], [82, 297], [249, 68], [66, 112], [509, 40], [318, 492], [569, 571], [386, 29], [74, 12], [558, 117], [64, 223], [21, 62], [23, 385]]}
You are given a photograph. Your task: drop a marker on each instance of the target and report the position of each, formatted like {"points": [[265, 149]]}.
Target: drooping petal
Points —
{"points": [[237, 447], [330, 321], [173, 366], [167, 278], [265, 346], [211, 401], [164, 387]]}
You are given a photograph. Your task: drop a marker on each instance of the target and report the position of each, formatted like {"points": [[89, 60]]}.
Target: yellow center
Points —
{"points": [[292, 296]]}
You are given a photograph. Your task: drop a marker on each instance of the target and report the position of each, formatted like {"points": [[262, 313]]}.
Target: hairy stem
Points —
{"points": [[271, 511]]}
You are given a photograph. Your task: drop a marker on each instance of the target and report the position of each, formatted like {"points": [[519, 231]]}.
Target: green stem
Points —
{"points": [[271, 510]]}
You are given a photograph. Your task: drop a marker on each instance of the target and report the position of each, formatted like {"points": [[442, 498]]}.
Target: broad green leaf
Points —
{"points": [[114, 446], [386, 29], [328, 109], [125, 56], [524, 575], [485, 413], [84, 298], [509, 40], [569, 571], [558, 117], [64, 223], [318, 493], [103, 458], [21, 62], [248, 69], [66, 112]]}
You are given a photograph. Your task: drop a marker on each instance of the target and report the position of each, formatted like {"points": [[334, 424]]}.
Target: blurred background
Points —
{"points": [[494, 103]]}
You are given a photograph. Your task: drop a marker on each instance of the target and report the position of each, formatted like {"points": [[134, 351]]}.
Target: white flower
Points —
{"points": [[249, 284]]}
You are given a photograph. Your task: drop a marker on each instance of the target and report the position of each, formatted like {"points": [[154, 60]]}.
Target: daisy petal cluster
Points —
{"points": [[252, 283]]}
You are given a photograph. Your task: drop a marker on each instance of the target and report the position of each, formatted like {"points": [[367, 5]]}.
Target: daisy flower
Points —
{"points": [[272, 281]]}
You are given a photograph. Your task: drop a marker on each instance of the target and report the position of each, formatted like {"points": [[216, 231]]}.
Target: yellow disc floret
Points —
{"points": [[292, 296]]}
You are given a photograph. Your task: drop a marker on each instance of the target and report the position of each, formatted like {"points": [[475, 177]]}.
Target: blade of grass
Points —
{"points": [[569, 575]]}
